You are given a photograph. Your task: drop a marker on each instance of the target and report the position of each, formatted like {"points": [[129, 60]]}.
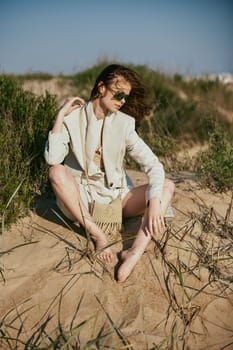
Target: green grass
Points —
{"points": [[24, 123], [215, 166]]}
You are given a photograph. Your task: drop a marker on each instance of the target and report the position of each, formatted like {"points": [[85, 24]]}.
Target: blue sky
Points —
{"points": [[66, 36]]}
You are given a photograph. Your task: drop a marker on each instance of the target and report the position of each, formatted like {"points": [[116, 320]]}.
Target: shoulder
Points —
{"points": [[124, 118]]}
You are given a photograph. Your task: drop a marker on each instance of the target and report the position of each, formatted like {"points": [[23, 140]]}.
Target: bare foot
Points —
{"points": [[101, 243], [129, 259], [103, 253]]}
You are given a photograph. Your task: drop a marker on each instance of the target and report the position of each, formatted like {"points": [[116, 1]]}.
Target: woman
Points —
{"points": [[94, 138]]}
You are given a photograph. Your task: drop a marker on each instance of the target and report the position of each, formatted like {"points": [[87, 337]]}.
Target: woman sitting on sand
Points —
{"points": [[107, 121]]}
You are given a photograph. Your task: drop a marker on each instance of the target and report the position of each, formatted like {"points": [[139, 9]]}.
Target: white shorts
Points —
{"points": [[99, 192], [102, 194]]}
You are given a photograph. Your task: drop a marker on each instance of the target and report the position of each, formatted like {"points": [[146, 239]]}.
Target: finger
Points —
{"points": [[65, 104], [81, 101], [159, 225], [162, 223], [72, 108], [78, 101], [155, 228], [147, 231], [151, 227], [71, 101]]}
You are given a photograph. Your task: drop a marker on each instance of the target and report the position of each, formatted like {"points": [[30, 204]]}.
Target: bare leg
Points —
{"points": [[134, 204], [67, 193]]}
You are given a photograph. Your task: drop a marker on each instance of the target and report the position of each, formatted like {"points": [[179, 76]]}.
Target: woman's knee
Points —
{"points": [[57, 173], [169, 186]]}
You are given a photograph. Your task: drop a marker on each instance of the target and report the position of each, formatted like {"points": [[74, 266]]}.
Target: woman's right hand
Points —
{"points": [[66, 108], [70, 104]]}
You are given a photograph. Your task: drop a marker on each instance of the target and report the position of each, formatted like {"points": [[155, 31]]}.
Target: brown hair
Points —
{"points": [[138, 105]]}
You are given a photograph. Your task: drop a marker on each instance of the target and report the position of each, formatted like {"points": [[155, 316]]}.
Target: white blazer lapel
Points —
{"points": [[75, 122], [110, 140], [92, 135]]}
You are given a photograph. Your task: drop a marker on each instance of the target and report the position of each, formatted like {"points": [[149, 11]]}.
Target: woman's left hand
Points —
{"points": [[155, 220]]}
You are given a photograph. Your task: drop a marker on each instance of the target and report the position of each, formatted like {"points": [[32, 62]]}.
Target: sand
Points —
{"points": [[179, 295]]}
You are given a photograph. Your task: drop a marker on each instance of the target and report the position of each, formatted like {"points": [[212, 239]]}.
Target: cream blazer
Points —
{"points": [[119, 136]]}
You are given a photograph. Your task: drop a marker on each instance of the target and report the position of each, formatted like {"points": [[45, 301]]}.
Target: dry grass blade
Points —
{"points": [[37, 338], [87, 254], [65, 223], [10, 250], [157, 277], [10, 342], [115, 329], [44, 230], [3, 225], [173, 336], [6, 326], [228, 212], [68, 285], [227, 347], [76, 311], [68, 261], [186, 229]]}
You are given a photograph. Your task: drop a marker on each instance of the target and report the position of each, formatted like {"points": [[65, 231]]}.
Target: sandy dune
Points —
{"points": [[179, 296]]}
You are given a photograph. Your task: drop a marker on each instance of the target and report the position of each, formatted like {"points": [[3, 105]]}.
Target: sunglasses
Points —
{"points": [[119, 95]]}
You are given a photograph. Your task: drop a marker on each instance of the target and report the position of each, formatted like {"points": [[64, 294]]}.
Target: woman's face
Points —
{"points": [[114, 96]]}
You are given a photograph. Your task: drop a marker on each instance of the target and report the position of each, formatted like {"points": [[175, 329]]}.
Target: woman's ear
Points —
{"points": [[101, 88]]}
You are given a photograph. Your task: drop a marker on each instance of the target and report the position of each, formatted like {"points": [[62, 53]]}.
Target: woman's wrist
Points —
{"points": [[153, 200]]}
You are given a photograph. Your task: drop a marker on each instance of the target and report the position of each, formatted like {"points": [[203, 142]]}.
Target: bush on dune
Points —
{"points": [[215, 165], [24, 123]]}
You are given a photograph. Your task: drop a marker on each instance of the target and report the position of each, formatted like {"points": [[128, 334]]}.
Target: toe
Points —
{"points": [[121, 277]]}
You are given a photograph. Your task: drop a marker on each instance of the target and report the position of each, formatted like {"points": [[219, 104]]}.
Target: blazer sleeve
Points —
{"points": [[57, 147], [148, 162]]}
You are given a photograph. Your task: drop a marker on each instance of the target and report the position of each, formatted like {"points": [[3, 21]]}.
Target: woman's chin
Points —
{"points": [[115, 109]]}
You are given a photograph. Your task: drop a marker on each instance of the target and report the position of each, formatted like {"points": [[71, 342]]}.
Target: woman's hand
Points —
{"points": [[154, 224], [70, 104]]}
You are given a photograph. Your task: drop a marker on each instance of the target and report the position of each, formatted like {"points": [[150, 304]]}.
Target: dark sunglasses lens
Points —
{"points": [[120, 95]]}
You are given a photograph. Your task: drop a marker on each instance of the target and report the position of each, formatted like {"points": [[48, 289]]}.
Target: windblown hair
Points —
{"points": [[138, 105]]}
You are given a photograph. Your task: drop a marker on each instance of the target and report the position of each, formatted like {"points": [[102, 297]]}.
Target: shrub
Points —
{"points": [[215, 166], [24, 123]]}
